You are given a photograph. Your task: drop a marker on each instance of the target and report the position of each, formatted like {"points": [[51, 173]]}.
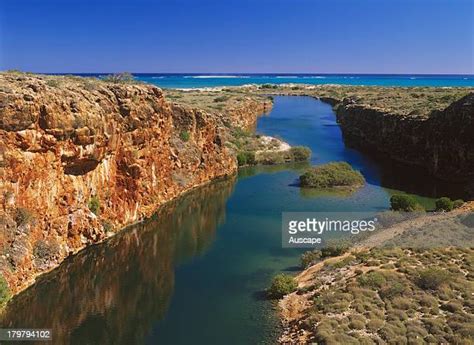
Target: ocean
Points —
{"points": [[195, 80]]}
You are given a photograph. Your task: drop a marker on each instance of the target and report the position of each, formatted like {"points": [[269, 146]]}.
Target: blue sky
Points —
{"points": [[320, 36]]}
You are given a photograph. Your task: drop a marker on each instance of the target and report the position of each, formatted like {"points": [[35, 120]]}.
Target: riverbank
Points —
{"points": [[396, 250]]}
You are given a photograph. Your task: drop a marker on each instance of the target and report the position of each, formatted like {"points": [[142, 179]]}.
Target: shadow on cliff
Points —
{"points": [[112, 293]]}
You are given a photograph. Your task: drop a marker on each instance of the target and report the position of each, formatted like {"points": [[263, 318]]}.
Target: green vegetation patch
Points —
{"points": [[445, 204], [120, 78], [300, 153], [184, 136], [282, 284], [336, 174], [405, 203], [94, 205], [5, 293]]}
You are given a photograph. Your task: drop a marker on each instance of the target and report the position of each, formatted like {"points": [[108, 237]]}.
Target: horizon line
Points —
{"points": [[255, 73]]}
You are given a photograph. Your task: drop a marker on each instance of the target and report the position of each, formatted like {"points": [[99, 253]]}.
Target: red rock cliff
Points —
{"points": [[79, 159]]}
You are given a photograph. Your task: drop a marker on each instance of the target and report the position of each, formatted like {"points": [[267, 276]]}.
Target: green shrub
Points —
{"points": [[184, 135], [373, 280], [94, 205], [336, 174], [432, 278], [272, 157], [282, 284], [300, 153], [5, 293], [52, 83], [391, 290], [268, 86], [246, 158], [221, 99], [334, 248], [241, 159], [458, 203], [444, 204], [119, 78], [340, 263], [375, 324], [357, 322], [453, 307], [310, 257], [23, 216], [406, 203]]}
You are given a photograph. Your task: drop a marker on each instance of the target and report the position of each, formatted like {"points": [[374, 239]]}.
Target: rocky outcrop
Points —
{"points": [[441, 143], [81, 158]]}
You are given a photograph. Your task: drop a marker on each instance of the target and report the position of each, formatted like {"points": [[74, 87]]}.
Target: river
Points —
{"points": [[196, 272]]}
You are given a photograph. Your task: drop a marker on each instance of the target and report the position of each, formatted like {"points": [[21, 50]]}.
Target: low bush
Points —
{"points": [[94, 205], [310, 257], [52, 83], [268, 86], [405, 203], [300, 153], [221, 99], [372, 280], [282, 284], [246, 158], [392, 290], [432, 278], [336, 174], [334, 248], [5, 293], [458, 203], [272, 158], [444, 204], [119, 78], [184, 135]]}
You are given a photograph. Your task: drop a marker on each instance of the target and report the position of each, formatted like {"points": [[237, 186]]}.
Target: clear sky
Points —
{"points": [[320, 36]]}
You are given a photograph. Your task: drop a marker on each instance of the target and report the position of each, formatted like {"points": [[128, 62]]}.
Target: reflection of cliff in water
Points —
{"points": [[113, 292]]}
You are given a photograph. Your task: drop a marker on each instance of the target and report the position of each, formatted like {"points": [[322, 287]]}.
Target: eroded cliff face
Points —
{"points": [[79, 159], [136, 270], [441, 143]]}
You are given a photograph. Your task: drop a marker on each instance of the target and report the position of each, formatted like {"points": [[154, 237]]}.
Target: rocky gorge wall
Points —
{"points": [[80, 159], [441, 143]]}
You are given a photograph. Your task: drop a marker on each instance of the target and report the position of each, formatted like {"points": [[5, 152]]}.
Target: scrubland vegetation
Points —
{"points": [[394, 296]]}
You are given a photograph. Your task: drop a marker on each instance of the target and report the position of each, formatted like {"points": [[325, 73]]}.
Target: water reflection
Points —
{"points": [[113, 292]]}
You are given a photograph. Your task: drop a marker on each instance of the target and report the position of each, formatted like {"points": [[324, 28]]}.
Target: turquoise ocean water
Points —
{"points": [[193, 80]]}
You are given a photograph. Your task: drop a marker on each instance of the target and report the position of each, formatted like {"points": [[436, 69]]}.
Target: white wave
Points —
{"points": [[315, 77], [157, 77], [215, 76], [412, 78]]}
